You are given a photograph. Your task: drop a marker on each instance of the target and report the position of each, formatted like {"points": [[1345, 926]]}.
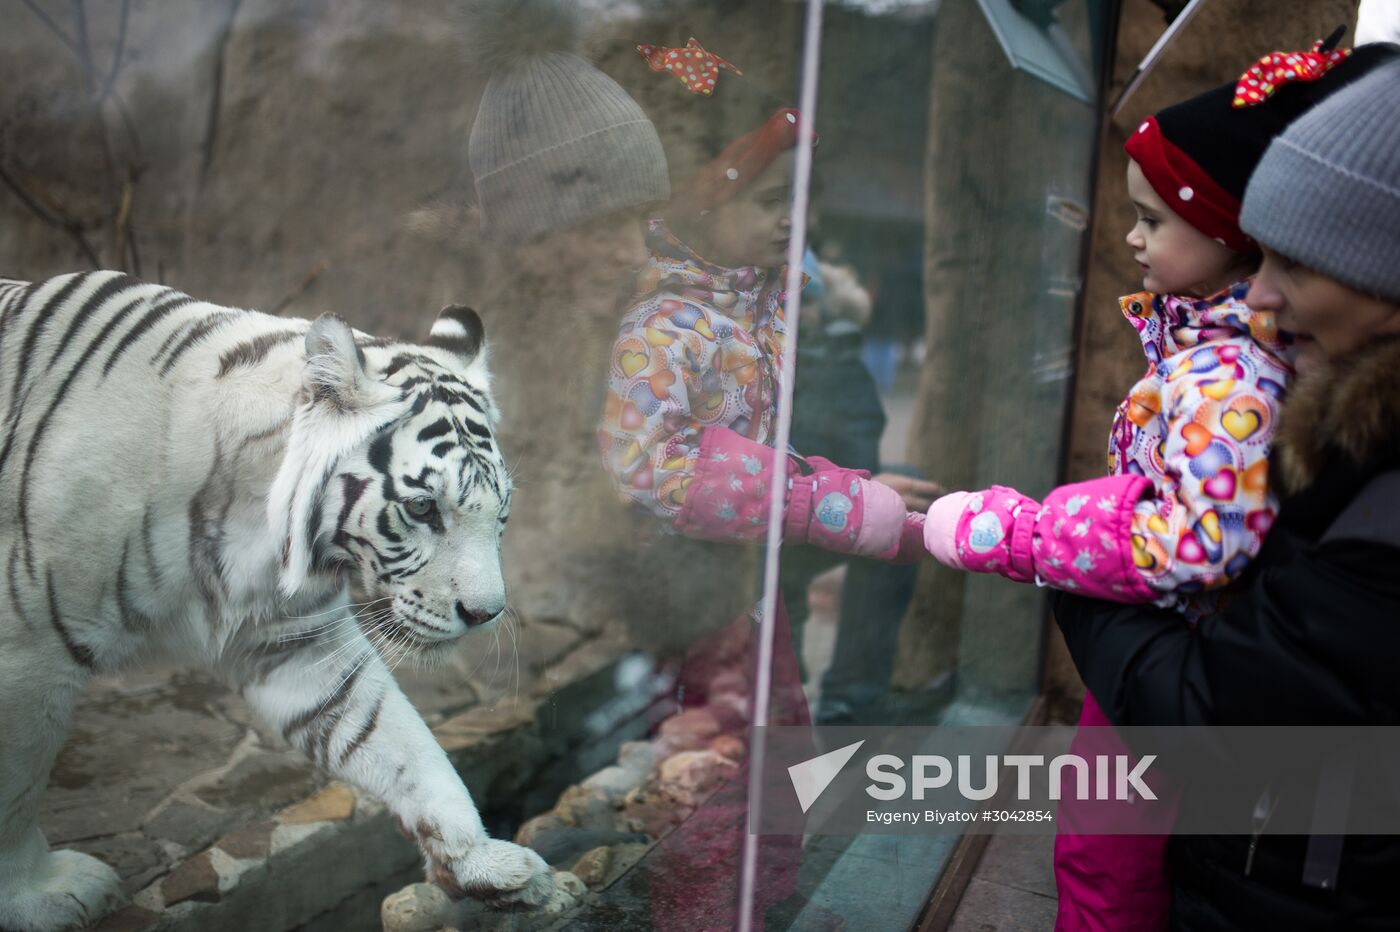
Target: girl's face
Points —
{"points": [[754, 227], [1175, 257], [1326, 318]]}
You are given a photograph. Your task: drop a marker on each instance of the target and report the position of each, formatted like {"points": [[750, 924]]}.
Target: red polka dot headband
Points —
{"points": [[695, 68], [1277, 69]]}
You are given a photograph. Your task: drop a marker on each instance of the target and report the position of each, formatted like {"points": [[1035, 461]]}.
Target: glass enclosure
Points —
{"points": [[609, 185]]}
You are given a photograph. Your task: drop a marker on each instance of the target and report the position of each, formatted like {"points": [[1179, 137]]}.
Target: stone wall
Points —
{"points": [[305, 156]]}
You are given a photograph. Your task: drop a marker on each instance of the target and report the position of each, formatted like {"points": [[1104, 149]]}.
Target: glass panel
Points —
{"points": [[950, 201], [307, 541]]}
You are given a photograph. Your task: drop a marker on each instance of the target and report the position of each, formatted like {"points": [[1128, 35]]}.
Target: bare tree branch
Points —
{"points": [[71, 227], [116, 55], [84, 47], [52, 26], [301, 289]]}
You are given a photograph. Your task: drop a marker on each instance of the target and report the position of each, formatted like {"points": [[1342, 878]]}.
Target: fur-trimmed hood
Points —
{"points": [[1350, 408]]}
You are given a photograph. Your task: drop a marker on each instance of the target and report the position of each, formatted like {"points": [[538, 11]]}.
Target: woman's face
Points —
{"points": [[1326, 318]]}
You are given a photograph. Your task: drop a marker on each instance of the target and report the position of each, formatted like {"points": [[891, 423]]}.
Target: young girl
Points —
{"points": [[691, 407], [1187, 502]]}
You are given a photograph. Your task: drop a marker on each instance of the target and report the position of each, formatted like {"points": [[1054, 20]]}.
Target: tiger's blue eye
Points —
{"points": [[421, 507]]}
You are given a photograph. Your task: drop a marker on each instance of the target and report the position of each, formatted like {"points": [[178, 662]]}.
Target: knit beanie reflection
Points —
{"points": [[1327, 192], [556, 142]]}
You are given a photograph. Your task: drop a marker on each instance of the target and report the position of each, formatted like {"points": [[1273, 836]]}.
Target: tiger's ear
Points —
{"points": [[335, 366], [459, 330]]}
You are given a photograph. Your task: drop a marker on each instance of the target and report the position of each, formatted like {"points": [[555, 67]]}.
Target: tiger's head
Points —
{"points": [[393, 476]]}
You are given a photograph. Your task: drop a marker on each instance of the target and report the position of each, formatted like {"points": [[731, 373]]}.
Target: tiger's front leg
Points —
{"points": [[334, 699]]}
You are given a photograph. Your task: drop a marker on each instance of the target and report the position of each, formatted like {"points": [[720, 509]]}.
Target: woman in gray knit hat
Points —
{"points": [[1312, 634]]}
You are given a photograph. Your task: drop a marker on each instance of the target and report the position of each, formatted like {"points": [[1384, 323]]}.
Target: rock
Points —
{"points": [[262, 782], [420, 907], [130, 919], [188, 824], [485, 721], [593, 867], [335, 803], [137, 859], [652, 819], [541, 644], [636, 755], [531, 829], [616, 782], [731, 710], [690, 730], [624, 856], [566, 845], [569, 883], [690, 776], [730, 747], [587, 807], [730, 681], [248, 844], [196, 879]]}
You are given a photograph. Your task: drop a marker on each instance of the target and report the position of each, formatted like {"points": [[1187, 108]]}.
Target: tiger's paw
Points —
{"points": [[70, 890], [501, 874]]}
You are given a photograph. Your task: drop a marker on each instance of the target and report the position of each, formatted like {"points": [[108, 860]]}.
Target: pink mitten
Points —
{"points": [[941, 528], [838, 509], [843, 511], [1079, 540]]}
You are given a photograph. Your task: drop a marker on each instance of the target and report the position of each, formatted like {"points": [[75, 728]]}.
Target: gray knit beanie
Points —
{"points": [[556, 142], [1327, 192]]}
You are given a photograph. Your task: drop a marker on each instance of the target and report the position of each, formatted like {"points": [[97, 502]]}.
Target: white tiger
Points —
{"points": [[198, 482]]}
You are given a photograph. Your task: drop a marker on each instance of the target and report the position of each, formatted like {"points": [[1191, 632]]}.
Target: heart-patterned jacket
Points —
{"points": [[700, 346], [1188, 499]]}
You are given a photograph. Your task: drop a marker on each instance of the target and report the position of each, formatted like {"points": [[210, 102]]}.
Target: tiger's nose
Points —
{"points": [[474, 617]]}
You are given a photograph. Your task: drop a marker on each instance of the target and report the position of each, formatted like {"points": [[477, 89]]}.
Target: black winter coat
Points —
{"points": [[1310, 635]]}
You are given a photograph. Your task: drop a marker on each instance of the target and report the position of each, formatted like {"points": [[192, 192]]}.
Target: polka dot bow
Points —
{"points": [[1279, 68], [694, 67]]}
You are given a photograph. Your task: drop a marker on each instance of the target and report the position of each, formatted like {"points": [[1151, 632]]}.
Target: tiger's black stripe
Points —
{"points": [[206, 541], [351, 489], [332, 703], [13, 584], [148, 546], [170, 338], [17, 302], [98, 298], [82, 654], [132, 619], [12, 310], [39, 429], [252, 352], [438, 428], [41, 318], [197, 333], [367, 729], [151, 318]]}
